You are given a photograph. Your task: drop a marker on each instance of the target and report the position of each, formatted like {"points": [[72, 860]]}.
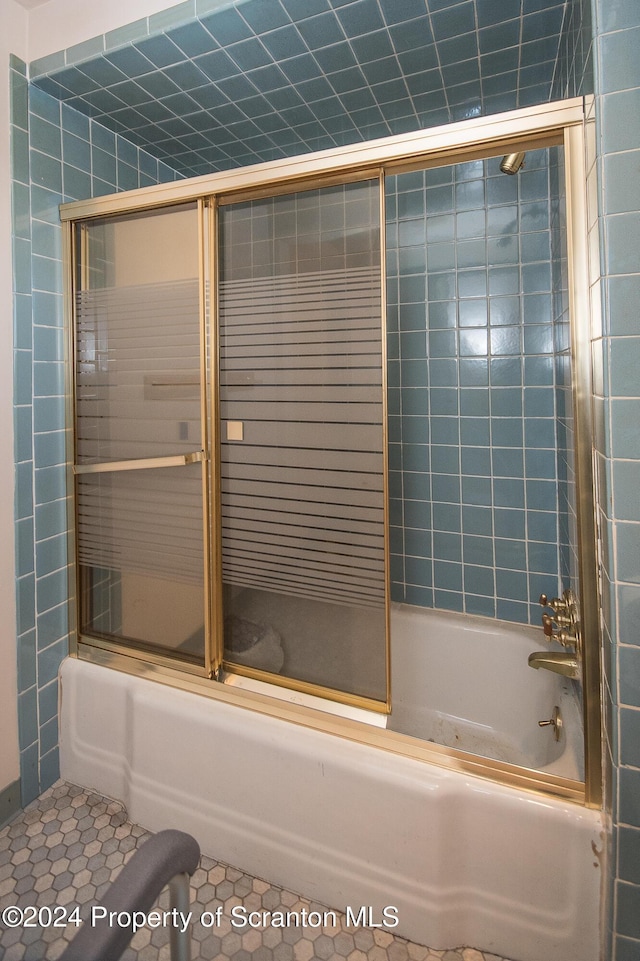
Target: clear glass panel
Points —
{"points": [[138, 339], [140, 547], [303, 513], [138, 336]]}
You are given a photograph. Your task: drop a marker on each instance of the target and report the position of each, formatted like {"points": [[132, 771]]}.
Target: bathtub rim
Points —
{"points": [[500, 772]]}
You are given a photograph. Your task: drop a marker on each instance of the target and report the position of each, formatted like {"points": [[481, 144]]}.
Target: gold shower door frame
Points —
{"points": [[562, 122]]}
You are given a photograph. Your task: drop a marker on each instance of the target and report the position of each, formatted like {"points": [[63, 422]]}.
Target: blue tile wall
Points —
{"points": [[574, 67], [57, 154], [207, 86], [597, 55], [474, 458], [617, 87], [27, 653]]}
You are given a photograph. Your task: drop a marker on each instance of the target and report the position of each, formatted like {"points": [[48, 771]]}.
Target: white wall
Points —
{"points": [[13, 39]]}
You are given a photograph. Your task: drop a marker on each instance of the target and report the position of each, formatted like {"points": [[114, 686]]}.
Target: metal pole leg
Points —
{"points": [[179, 899]]}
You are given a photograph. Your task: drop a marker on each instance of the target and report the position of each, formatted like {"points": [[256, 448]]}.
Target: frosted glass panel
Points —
{"points": [[141, 557], [138, 337], [140, 551], [138, 343], [301, 404]]}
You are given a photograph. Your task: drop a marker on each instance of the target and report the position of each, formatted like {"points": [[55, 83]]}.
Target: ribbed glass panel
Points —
{"points": [[301, 404]]}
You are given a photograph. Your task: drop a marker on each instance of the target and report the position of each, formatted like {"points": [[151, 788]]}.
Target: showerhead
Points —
{"points": [[511, 163]]}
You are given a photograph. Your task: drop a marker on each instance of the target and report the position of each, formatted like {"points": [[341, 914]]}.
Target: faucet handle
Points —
{"points": [[560, 610], [555, 603], [553, 628], [566, 638]]}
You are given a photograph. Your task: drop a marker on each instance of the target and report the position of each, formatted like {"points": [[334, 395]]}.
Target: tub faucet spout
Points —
{"points": [[559, 663]]}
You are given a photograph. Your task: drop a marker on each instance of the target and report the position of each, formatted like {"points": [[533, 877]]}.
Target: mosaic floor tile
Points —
{"points": [[62, 852]]}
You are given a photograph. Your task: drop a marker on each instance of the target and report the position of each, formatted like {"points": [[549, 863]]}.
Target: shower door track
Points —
{"points": [[546, 125]]}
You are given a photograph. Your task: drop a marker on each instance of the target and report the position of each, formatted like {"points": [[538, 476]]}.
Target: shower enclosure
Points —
{"points": [[309, 392]]}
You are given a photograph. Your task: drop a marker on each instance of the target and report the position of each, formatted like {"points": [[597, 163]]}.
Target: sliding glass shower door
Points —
{"points": [[302, 440], [266, 549], [139, 457]]}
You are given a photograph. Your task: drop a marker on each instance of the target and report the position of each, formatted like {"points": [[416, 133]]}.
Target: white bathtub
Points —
{"points": [[465, 682], [465, 861]]}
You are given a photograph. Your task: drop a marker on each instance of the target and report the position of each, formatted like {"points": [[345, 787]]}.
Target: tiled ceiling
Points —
{"points": [[266, 79]]}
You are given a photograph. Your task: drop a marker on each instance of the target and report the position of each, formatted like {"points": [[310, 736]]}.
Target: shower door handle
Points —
{"points": [[144, 463]]}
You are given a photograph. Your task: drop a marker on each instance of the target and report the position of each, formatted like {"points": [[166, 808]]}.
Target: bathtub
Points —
{"points": [[461, 859], [465, 682]]}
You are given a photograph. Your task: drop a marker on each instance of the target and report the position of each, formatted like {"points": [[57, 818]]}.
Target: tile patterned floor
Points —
{"points": [[65, 848]]}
